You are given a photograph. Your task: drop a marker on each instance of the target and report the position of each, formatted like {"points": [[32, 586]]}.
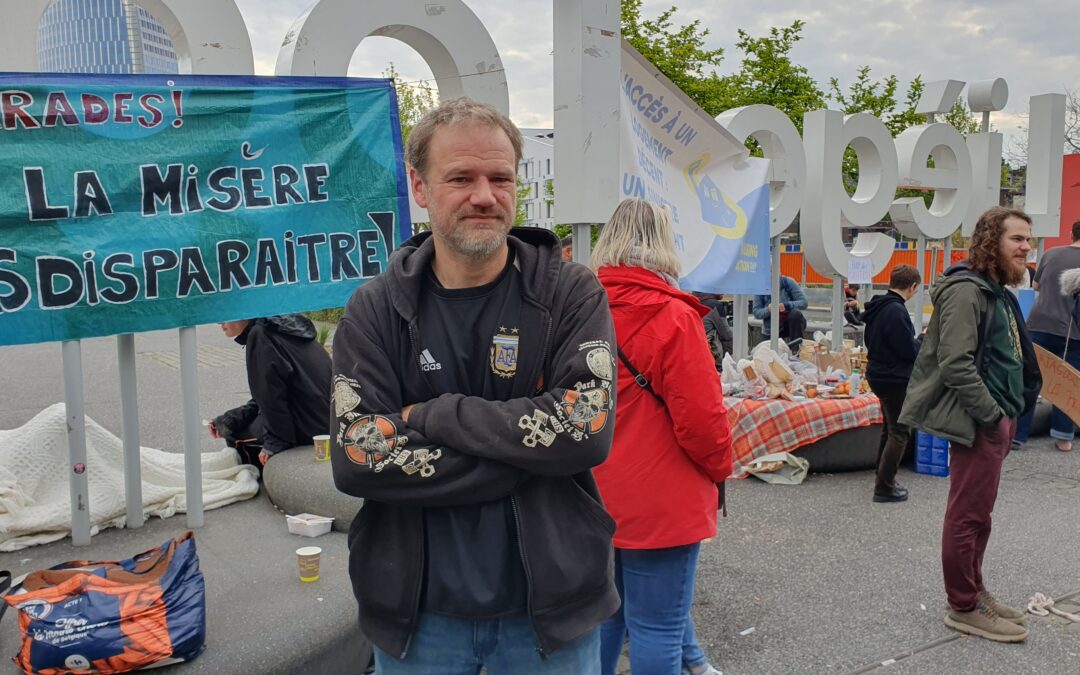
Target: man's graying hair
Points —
{"points": [[456, 112]]}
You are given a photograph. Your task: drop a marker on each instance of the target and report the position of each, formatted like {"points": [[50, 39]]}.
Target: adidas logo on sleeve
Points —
{"points": [[428, 362]]}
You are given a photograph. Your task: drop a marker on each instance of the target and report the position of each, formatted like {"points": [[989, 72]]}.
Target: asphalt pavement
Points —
{"points": [[801, 579]]}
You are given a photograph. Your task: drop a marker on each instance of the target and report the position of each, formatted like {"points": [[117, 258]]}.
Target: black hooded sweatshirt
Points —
{"points": [[288, 374], [890, 341], [536, 448]]}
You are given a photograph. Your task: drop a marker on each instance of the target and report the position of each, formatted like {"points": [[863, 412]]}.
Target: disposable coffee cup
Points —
{"points": [[308, 557], [322, 447]]}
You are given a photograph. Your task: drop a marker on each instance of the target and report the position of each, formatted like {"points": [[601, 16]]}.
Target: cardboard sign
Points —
{"points": [[860, 270], [1061, 383]]}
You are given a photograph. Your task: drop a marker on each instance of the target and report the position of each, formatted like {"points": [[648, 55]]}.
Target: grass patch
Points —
{"points": [[331, 315]]}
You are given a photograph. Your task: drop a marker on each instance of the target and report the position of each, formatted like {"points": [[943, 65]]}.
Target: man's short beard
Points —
{"points": [[470, 246]]}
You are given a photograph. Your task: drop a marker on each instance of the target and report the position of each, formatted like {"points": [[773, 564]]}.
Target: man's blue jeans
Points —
{"points": [[1061, 427], [444, 645], [657, 591]]}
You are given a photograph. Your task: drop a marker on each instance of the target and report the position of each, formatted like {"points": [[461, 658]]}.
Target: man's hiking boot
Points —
{"points": [[1003, 610], [984, 622]]}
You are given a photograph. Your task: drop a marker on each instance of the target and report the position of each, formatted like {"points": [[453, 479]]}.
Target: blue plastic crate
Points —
{"points": [[931, 469], [931, 450], [939, 456]]}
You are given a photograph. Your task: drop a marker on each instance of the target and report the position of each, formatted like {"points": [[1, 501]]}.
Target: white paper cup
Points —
{"points": [[322, 447], [308, 559]]}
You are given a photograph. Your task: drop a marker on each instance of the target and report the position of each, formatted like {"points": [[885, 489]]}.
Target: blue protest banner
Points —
{"points": [[138, 203]]}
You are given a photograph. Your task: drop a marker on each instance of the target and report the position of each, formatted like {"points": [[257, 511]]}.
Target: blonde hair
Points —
{"points": [[639, 234]]}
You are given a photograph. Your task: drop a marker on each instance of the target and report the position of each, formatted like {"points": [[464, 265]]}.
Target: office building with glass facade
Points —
{"points": [[102, 36]]}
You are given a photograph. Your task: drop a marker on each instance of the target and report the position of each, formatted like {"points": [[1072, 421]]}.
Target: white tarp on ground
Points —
{"points": [[35, 503]]}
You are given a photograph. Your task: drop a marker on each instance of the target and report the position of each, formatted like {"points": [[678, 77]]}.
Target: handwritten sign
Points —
{"points": [[860, 270], [1061, 383]]}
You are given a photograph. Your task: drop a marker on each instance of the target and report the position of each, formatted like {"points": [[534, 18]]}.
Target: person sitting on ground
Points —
{"points": [[792, 304], [851, 305], [892, 348], [288, 375], [1053, 327]]}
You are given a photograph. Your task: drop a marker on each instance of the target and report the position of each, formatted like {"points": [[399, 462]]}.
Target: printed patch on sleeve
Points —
{"points": [[346, 395], [587, 410], [600, 362], [371, 439]]}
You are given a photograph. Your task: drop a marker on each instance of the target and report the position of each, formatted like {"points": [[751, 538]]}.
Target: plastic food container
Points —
{"points": [[309, 524]]}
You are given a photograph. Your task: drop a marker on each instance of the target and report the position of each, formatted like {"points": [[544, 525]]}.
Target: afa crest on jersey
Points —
{"points": [[504, 352]]}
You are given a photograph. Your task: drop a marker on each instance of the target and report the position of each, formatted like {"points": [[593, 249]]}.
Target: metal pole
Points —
{"points": [[947, 262], [739, 320], [837, 313], [774, 311], [189, 389], [129, 412], [933, 263], [920, 297], [582, 242], [76, 431]]}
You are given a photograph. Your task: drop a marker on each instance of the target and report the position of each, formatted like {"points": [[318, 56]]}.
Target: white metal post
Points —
{"points": [[582, 242], [587, 55], [920, 297], [837, 313], [774, 311], [189, 389], [739, 324], [78, 484], [129, 411]]}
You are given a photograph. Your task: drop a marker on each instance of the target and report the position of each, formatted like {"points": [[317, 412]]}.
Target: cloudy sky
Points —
{"points": [[1031, 44]]}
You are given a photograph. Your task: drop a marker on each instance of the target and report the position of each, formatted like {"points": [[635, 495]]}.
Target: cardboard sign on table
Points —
{"points": [[1061, 383]]}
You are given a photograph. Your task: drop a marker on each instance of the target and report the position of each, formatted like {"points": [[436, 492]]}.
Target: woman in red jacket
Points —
{"points": [[672, 443]]}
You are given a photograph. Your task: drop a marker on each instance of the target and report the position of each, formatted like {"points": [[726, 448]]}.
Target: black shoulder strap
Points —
{"points": [[638, 377], [986, 326], [643, 382]]}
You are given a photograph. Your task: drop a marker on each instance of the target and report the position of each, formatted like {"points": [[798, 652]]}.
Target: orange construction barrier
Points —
{"points": [[791, 265]]}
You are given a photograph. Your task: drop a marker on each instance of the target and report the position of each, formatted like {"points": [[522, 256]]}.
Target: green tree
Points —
{"points": [[678, 52], [414, 99], [879, 99], [768, 76], [523, 192]]}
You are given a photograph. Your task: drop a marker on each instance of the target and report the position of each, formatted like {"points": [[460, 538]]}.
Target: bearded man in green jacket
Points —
{"points": [[975, 375]]}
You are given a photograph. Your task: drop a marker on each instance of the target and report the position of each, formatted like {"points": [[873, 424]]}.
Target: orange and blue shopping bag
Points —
{"points": [[112, 616]]}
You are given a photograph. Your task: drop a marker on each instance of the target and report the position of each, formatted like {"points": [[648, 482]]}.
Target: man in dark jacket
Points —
{"points": [[288, 374], [975, 374], [892, 348], [473, 393]]}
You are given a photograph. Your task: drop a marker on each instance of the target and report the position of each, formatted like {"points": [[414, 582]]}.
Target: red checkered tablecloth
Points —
{"points": [[759, 428]]}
